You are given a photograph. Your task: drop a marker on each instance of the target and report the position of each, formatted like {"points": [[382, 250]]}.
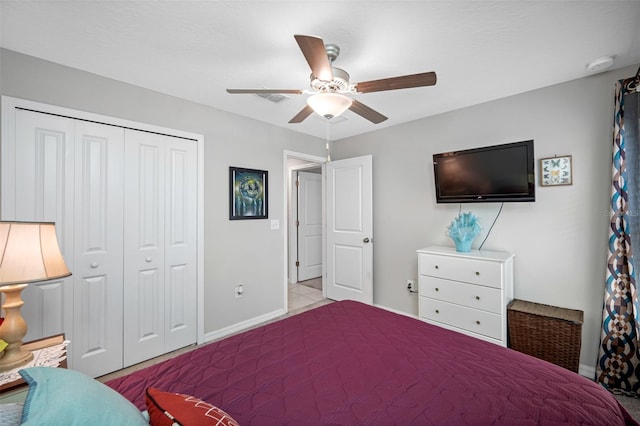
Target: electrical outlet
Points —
{"points": [[411, 286], [239, 291]]}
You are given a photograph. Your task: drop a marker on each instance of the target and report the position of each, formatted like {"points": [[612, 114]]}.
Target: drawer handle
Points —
{"points": [[94, 264], [437, 311], [477, 297], [148, 259], [437, 266], [478, 273], [437, 289], [478, 322]]}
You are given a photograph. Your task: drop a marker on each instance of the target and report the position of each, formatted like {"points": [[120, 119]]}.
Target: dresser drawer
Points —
{"points": [[471, 295], [461, 269], [480, 322]]}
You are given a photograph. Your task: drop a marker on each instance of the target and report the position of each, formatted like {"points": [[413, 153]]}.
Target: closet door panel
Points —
{"points": [[44, 308], [181, 234], [37, 180], [144, 302], [97, 338]]}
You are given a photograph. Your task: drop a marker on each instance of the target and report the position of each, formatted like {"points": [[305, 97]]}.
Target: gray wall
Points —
{"points": [[235, 252], [560, 241]]}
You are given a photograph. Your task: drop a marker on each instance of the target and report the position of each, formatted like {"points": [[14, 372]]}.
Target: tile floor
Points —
{"points": [[301, 296]]}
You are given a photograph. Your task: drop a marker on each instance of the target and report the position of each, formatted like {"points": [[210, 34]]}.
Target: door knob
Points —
{"points": [[366, 240]]}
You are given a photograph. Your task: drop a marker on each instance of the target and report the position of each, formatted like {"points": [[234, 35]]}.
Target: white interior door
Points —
{"points": [[349, 192], [144, 297], [180, 243], [37, 178], [160, 267], [98, 239], [309, 225]]}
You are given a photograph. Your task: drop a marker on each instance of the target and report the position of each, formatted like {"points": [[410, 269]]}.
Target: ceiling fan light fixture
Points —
{"points": [[329, 105]]}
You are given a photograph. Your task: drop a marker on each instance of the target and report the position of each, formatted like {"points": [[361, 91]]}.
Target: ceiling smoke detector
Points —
{"points": [[600, 64]]}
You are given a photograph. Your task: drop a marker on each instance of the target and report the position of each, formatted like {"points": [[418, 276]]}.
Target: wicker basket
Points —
{"points": [[546, 332]]}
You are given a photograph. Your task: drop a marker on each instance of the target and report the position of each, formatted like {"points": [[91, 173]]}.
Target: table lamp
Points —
{"points": [[29, 253]]}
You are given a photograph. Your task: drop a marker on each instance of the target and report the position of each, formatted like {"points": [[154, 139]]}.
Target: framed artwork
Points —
{"points": [[248, 194], [556, 171]]}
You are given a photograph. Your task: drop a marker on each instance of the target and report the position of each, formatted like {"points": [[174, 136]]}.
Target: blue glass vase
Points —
{"points": [[463, 230]]}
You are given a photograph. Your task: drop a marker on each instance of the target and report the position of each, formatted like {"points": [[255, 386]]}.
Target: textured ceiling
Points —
{"points": [[480, 50]]}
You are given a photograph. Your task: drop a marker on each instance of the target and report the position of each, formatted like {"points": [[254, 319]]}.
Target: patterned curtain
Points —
{"points": [[618, 366]]}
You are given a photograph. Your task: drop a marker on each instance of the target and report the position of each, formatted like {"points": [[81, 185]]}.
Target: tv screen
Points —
{"points": [[496, 173]]}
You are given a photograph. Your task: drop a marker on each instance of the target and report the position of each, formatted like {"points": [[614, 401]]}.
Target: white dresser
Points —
{"points": [[466, 292]]}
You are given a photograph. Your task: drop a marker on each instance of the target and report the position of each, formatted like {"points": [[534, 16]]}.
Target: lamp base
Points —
{"points": [[13, 329], [16, 359]]}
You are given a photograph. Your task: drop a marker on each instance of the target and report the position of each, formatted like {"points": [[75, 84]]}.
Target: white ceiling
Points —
{"points": [[480, 50]]}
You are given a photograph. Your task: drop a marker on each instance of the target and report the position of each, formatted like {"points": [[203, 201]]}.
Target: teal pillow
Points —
{"points": [[58, 396]]}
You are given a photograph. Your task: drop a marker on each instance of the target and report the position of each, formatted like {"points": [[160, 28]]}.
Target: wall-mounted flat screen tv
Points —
{"points": [[498, 173]]}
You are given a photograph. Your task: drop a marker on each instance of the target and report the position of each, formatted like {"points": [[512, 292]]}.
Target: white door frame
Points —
{"points": [[313, 161]]}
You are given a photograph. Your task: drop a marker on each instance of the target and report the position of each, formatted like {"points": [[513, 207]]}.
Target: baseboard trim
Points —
{"points": [[395, 311], [242, 326], [587, 371]]}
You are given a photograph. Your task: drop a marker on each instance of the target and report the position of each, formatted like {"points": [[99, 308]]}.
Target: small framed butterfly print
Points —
{"points": [[556, 171]]}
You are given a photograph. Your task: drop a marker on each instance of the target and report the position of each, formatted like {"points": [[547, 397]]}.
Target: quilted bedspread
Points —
{"points": [[348, 363]]}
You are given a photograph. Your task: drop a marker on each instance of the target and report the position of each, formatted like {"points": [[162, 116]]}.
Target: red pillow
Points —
{"points": [[167, 409]]}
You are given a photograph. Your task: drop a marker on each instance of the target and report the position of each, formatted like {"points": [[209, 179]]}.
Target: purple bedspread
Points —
{"points": [[348, 363]]}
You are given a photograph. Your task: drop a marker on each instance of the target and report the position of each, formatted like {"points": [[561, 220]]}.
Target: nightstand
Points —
{"points": [[48, 351]]}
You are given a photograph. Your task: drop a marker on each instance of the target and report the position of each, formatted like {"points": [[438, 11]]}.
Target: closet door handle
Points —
{"points": [[366, 240]]}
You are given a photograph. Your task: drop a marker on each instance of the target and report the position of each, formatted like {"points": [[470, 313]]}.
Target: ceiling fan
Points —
{"points": [[329, 84]]}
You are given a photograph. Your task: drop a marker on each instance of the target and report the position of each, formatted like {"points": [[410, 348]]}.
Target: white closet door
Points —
{"points": [[98, 260], [160, 245], [181, 243], [144, 267], [37, 178]]}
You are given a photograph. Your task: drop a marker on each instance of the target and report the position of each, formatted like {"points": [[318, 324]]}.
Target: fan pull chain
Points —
{"points": [[327, 147]]}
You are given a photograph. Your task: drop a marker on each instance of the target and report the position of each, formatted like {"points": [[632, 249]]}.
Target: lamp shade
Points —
{"points": [[329, 105], [29, 252]]}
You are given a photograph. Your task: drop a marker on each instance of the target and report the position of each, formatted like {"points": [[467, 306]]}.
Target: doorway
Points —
{"points": [[304, 242], [347, 231]]}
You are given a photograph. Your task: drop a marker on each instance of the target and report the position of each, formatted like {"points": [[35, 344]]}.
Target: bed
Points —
{"points": [[347, 363]]}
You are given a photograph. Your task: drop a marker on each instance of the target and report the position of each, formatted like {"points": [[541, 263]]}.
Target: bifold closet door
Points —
{"points": [[160, 245], [181, 243], [37, 183], [68, 171], [98, 245]]}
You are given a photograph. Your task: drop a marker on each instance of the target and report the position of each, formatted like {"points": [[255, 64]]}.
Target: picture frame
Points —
{"points": [[556, 171], [248, 193]]}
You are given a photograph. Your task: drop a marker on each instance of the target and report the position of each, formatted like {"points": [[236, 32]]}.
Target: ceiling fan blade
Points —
{"points": [[247, 91], [304, 113], [393, 83], [361, 109], [314, 52]]}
